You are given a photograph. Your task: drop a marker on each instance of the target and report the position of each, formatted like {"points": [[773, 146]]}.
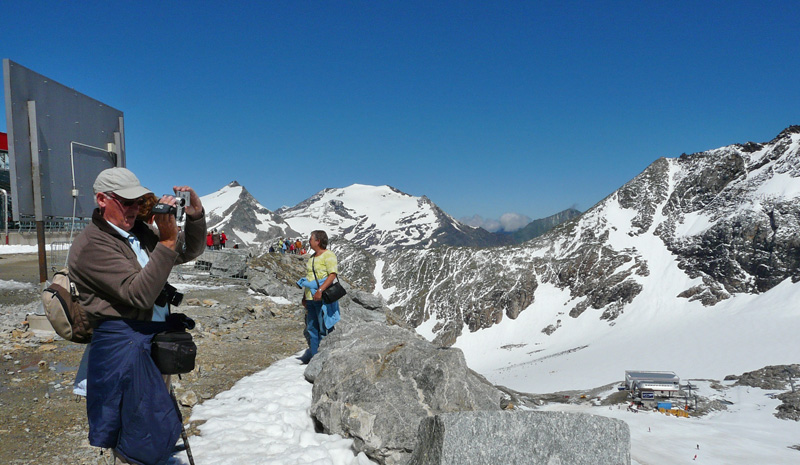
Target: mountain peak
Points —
{"points": [[380, 218], [244, 220], [794, 129]]}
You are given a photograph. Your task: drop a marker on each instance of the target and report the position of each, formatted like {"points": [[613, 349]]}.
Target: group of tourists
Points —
{"points": [[216, 240], [288, 246], [120, 265]]}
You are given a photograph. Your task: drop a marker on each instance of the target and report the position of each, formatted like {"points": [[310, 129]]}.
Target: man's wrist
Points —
{"points": [[169, 243], [196, 216]]}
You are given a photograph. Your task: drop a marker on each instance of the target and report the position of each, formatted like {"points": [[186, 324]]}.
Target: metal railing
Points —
{"points": [[59, 252], [54, 224]]}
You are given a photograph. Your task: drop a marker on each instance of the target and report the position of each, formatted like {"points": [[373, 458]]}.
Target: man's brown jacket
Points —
{"points": [[108, 276]]}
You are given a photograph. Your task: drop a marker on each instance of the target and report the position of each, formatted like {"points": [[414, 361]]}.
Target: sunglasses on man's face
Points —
{"points": [[127, 203]]}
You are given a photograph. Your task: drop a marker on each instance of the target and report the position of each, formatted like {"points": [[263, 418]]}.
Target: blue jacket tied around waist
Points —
{"points": [[128, 404], [330, 312]]}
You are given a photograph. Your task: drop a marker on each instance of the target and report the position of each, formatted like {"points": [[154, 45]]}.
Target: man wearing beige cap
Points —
{"points": [[120, 267]]}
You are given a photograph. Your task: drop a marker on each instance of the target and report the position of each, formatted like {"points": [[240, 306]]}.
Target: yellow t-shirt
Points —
{"points": [[324, 265]]}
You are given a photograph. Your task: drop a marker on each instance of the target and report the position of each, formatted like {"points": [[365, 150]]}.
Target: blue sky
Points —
{"points": [[485, 107]]}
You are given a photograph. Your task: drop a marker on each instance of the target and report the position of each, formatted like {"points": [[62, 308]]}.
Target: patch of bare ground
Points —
{"points": [[43, 422]]}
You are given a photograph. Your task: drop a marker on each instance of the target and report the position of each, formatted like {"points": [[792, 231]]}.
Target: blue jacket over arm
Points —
{"points": [[128, 404]]}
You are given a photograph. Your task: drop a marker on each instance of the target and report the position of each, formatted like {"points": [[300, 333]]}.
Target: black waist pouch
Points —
{"points": [[174, 352]]}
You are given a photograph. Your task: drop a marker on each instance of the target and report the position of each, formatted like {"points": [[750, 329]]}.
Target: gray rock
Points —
{"points": [[546, 438], [269, 284], [352, 311], [260, 279], [228, 263], [365, 299], [375, 383], [188, 399]]}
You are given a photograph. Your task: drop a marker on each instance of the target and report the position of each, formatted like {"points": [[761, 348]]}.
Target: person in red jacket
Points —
{"points": [[209, 240], [222, 239]]}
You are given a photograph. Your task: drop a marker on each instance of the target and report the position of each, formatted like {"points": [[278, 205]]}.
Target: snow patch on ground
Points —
{"points": [[12, 285], [264, 418]]}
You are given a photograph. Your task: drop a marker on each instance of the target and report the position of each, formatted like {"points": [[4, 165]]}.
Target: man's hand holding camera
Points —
{"points": [[194, 209], [166, 218]]}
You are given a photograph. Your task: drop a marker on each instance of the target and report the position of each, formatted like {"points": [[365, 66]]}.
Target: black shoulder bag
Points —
{"points": [[334, 292], [173, 350]]}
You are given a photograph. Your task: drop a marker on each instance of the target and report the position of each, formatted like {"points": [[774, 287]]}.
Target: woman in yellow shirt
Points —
{"points": [[322, 269]]}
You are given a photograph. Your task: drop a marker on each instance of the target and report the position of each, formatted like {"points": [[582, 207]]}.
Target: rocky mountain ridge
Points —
{"points": [[244, 220], [382, 218], [729, 218], [377, 218], [538, 227]]}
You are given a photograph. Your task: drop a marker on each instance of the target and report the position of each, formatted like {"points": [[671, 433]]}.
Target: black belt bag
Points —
{"points": [[173, 352]]}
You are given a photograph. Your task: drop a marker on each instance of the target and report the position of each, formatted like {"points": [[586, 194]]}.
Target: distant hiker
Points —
{"points": [[298, 245], [120, 266], [209, 241], [283, 247], [271, 248], [236, 245], [321, 271], [222, 239], [215, 239]]}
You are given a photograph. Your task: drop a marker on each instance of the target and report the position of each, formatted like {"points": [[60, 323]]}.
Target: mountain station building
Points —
{"points": [[652, 385]]}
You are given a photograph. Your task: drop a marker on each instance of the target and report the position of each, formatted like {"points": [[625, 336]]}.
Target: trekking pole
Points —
{"points": [[186, 443], [183, 428]]}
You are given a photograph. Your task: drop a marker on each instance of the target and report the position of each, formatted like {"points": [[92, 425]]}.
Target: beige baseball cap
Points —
{"points": [[120, 181]]}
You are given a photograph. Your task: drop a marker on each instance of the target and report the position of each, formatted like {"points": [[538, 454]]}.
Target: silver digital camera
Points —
{"points": [[183, 199]]}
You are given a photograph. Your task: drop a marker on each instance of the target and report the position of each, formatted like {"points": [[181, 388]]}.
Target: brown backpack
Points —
{"points": [[63, 310]]}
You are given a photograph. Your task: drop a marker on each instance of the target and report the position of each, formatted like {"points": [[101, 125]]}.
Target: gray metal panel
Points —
{"points": [[64, 116]]}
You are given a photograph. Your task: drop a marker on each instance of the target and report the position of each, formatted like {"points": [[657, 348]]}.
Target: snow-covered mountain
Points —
{"points": [[696, 258], [233, 210], [382, 218]]}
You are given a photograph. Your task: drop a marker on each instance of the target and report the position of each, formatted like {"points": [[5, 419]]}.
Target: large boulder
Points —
{"points": [[534, 438], [228, 263], [375, 383], [361, 305], [267, 283]]}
